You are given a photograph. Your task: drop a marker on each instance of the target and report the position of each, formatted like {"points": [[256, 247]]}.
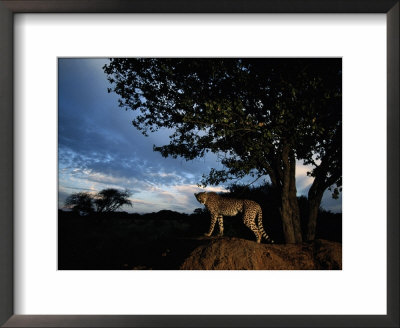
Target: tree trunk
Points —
{"points": [[314, 202], [290, 214], [287, 222], [290, 211], [293, 199], [321, 182]]}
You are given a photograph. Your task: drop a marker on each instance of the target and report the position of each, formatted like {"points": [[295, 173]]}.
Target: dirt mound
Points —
{"points": [[225, 253]]}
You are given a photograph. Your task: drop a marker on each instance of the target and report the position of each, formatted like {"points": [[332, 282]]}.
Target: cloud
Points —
{"points": [[98, 143], [330, 204]]}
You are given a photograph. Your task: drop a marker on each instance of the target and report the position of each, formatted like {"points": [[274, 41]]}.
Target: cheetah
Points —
{"points": [[221, 206]]}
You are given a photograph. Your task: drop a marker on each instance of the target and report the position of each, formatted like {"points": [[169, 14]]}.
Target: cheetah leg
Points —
{"points": [[221, 225], [261, 229], [212, 225], [249, 221]]}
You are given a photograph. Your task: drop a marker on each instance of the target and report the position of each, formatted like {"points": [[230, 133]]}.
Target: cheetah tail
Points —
{"points": [[261, 228]]}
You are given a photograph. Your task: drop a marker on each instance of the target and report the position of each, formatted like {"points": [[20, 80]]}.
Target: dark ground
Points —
{"points": [[166, 240], [229, 253]]}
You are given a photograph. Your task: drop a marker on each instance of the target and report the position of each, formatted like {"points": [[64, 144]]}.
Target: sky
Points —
{"points": [[99, 148]]}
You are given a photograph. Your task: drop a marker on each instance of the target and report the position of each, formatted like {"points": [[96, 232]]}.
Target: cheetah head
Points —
{"points": [[201, 197]]}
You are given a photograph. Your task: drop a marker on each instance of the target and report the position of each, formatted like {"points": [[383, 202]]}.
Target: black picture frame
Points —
{"points": [[10, 7]]}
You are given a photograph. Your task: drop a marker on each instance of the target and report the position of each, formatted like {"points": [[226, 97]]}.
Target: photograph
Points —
{"points": [[155, 153], [199, 163]]}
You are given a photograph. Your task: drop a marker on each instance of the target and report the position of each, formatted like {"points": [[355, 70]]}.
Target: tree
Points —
{"points": [[258, 115], [105, 201], [81, 202], [327, 174], [109, 200], [324, 145]]}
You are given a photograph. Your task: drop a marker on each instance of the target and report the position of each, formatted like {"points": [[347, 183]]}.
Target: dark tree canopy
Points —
{"points": [[81, 202], [258, 115], [109, 200], [105, 201]]}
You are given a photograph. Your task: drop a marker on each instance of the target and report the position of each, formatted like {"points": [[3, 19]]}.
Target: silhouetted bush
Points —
{"points": [[105, 201]]}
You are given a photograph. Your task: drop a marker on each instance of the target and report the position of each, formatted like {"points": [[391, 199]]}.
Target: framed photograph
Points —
{"points": [[101, 227], [123, 205]]}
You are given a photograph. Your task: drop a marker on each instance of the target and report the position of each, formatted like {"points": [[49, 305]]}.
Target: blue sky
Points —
{"points": [[99, 148]]}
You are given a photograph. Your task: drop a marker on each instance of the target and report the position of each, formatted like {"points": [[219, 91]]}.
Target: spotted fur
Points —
{"points": [[222, 206]]}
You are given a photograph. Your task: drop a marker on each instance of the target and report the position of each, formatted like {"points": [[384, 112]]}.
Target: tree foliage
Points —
{"points": [[109, 200], [105, 201], [258, 115], [81, 202]]}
